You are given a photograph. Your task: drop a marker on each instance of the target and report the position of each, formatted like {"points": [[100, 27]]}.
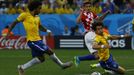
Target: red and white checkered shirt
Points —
{"points": [[87, 19]]}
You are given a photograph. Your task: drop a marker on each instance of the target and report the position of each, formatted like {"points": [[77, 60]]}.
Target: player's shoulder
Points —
{"points": [[97, 37], [24, 14]]}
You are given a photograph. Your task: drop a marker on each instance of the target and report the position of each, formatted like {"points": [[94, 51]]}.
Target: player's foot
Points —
{"points": [[93, 66], [76, 61], [20, 70], [67, 65]]}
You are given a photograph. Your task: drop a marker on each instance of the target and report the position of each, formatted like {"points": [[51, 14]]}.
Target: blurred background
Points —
{"points": [[67, 39], [60, 17]]}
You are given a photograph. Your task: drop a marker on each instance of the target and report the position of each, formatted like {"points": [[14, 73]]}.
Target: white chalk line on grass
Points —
{"points": [[130, 70]]}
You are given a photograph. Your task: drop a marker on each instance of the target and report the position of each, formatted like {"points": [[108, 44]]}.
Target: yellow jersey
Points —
{"points": [[102, 40], [31, 25]]}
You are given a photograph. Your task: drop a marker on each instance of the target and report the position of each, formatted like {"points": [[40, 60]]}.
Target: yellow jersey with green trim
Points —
{"points": [[102, 40], [31, 25]]}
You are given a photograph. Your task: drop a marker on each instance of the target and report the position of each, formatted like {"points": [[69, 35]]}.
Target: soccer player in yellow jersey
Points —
{"points": [[32, 25], [101, 44]]}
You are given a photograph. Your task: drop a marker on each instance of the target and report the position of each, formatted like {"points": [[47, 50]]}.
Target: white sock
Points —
{"points": [[98, 65], [110, 72], [31, 63], [56, 59]]}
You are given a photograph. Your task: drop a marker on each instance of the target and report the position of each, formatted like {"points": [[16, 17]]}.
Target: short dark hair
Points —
{"points": [[85, 3], [34, 5], [96, 23]]}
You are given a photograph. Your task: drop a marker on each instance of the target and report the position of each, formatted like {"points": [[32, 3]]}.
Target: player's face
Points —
{"points": [[87, 7], [99, 30], [37, 11]]}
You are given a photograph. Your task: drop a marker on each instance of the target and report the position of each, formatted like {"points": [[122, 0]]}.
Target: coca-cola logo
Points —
{"points": [[17, 42]]}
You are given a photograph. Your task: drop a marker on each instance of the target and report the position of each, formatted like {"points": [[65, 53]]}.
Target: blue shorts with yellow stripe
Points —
{"points": [[110, 64], [38, 48]]}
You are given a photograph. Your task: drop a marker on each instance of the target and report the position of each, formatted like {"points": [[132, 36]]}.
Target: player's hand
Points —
{"points": [[107, 46], [81, 10]]}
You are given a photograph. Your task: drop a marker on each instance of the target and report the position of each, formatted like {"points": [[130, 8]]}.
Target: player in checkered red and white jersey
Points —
{"points": [[87, 17]]}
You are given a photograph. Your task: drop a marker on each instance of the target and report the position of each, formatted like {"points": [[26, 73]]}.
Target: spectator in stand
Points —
{"points": [[129, 8], [3, 8], [120, 4], [5, 31], [66, 31], [11, 9], [61, 2], [78, 3], [109, 5], [67, 9], [21, 6], [75, 31], [96, 7], [52, 3], [46, 7], [78, 32]]}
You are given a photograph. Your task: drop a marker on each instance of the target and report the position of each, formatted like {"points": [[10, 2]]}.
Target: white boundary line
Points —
{"points": [[130, 70]]}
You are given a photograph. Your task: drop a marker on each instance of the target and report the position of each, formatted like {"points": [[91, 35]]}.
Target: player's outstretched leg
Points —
{"points": [[77, 59], [20, 70], [30, 63], [58, 61]]}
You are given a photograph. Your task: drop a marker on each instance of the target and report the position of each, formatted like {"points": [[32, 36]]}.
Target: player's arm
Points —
{"points": [[44, 29], [98, 46], [78, 20], [112, 37], [12, 26], [100, 18]]}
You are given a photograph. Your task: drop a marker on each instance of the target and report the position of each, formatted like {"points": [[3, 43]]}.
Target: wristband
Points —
{"points": [[102, 46], [49, 31], [122, 36]]}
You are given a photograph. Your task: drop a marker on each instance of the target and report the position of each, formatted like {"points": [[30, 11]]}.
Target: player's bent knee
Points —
{"points": [[41, 58], [96, 55], [49, 52]]}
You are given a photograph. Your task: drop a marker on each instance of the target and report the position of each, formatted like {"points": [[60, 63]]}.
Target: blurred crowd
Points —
{"points": [[68, 6]]}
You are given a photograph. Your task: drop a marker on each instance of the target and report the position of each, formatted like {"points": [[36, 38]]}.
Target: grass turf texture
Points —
{"points": [[9, 59]]}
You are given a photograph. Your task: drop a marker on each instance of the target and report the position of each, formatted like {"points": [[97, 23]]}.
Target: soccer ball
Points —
{"points": [[96, 73]]}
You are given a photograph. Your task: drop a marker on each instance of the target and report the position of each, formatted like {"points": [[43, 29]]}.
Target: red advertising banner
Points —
{"points": [[19, 42]]}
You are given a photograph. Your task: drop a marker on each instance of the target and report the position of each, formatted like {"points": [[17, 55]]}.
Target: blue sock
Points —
{"points": [[87, 57]]}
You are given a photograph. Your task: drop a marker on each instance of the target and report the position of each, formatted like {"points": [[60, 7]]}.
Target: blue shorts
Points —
{"points": [[110, 64], [38, 48]]}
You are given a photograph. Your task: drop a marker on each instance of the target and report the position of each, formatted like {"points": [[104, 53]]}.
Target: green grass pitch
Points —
{"points": [[9, 59]]}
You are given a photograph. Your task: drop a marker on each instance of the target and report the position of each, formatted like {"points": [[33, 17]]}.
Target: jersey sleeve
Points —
{"points": [[21, 17]]}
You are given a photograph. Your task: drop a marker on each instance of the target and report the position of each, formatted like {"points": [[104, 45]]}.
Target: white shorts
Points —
{"points": [[89, 37]]}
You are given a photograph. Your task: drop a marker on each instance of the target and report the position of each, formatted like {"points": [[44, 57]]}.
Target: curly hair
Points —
{"points": [[34, 5], [97, 23]]}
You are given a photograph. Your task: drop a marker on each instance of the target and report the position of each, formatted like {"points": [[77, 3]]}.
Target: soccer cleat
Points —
{"points": [[76, 61], [20, 70], [67, 65], [93, 66]]}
